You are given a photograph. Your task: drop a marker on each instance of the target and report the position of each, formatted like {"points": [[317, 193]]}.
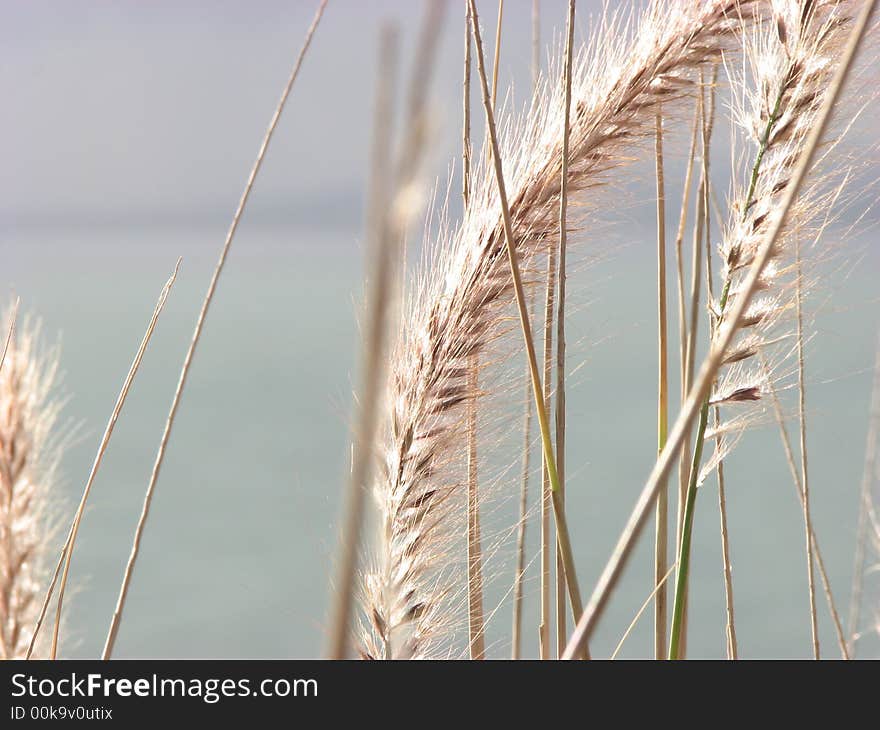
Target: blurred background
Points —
{"points": [[127, 132]]}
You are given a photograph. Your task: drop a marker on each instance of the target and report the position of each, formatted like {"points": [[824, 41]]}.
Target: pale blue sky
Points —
{"points": [[149, 111]]}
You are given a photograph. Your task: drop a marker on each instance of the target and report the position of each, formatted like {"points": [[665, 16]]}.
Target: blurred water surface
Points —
{"points": [[236, 559]]}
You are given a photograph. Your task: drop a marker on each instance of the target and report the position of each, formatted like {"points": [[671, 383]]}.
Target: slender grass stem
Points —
{"points": [[392, 216], [686, 532], [546, 501], [802, 423], [632, 625], [796, 481], [516, 639], [70, 543], [561, 632], [377, 304], [730, 622], [691, 347], [680, 600], [497, 57], [466, 147], [537, 389], [713, 360], [546, 488], [546, 498], [477, 643], [695, 291], [527, 414], [682, 312], [727, 572], [661, 536]]}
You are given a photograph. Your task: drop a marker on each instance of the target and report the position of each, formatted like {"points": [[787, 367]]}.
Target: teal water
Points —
{"points": [[237, 555]]}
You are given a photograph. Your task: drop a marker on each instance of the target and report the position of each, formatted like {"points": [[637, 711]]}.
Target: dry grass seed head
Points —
{"points": [[790, 59], [29, 454], [459, 306]]}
